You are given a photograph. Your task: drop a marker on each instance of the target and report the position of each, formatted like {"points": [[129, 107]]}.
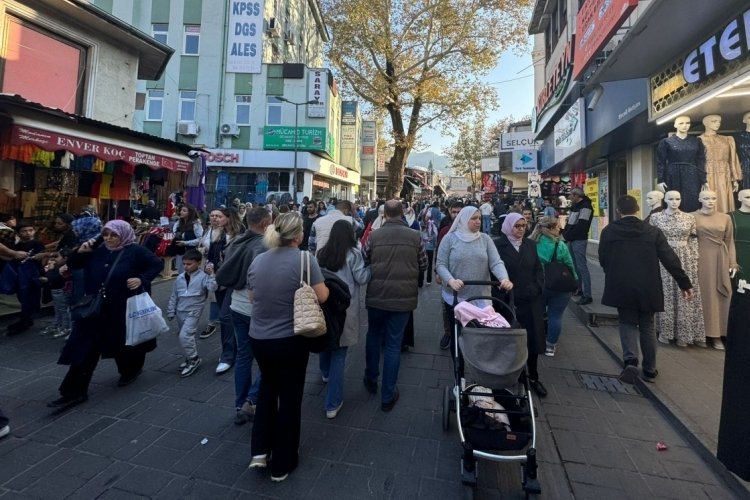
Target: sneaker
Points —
{"points": [[190, 367], [390, 404], [60, 333], [681, 343], [222, 368], [370, 385], [4, 431], [717, 343], [445, 341], [650, 377], [278, 479], [629, 374], [49, 330], [208, 331], [333, 413], [701, 343], [67, 401], [585, 300], [258, 462], [182, 365], [428, 282], [323, 378], [245, 414], [550, 351]]}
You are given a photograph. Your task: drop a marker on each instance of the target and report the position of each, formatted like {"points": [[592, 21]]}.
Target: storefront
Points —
{"points": [[252, 176], [54, 162]]}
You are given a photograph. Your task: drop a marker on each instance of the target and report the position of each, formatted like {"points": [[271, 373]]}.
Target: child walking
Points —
{"points": [[60, 282], [186, 303]]}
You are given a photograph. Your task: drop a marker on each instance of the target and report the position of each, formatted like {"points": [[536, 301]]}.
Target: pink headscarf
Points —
{"points": [[507, 229], [122, 229]]}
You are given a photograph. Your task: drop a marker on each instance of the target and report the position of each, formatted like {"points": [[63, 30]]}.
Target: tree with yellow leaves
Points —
{"points": [[421, 60]]}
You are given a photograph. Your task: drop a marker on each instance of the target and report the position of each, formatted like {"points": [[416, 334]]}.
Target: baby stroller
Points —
{"points": [[491, 396]]}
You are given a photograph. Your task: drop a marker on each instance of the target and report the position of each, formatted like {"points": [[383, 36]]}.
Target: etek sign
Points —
{"points": [[730, 44]]}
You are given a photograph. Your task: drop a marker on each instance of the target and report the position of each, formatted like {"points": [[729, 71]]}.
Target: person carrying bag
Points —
{"points": [[309, 320]]}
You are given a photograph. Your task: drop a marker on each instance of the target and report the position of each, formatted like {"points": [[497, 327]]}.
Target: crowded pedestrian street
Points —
{"points": [[167, 437]]}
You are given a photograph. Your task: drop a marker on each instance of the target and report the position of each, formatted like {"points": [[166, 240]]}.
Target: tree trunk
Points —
{"points": [[396, 173]]}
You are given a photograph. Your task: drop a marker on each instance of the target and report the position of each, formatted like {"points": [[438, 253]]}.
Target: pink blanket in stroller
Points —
{"points": [[486, 316]]}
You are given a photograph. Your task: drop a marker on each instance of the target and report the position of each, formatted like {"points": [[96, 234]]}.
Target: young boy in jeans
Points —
{"points": [[186, 303]]}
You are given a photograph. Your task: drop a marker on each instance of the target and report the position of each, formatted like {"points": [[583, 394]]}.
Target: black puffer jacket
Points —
{"points": [[334, 310]]}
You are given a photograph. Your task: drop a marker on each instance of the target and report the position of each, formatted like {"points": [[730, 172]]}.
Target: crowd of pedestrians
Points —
{"points": [[247, 265]]}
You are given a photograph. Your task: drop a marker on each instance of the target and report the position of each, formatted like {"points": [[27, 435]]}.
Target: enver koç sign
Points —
{"points": [[729, 44]]}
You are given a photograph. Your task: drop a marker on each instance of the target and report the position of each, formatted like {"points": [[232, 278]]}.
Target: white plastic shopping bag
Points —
{"points": [[143, 320]]}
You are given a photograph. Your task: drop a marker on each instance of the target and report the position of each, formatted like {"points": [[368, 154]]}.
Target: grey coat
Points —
{"points": [[354, 274]]}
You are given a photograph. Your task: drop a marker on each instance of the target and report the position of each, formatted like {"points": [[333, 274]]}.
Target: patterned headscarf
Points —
{"points": [[122, 229]]}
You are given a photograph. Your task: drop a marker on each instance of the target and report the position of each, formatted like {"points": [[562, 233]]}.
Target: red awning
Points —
{"points": [[81, 146]]}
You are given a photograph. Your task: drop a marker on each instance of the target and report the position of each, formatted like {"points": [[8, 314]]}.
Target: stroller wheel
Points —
{"points": [[447, 394]]}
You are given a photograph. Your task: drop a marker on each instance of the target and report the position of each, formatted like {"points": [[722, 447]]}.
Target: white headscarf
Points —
{"points": [[380, 218], [461, 225]]}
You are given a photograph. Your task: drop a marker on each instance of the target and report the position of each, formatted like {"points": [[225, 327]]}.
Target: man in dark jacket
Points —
{"points": [[396, 256], [576, 233], [630, 251]]}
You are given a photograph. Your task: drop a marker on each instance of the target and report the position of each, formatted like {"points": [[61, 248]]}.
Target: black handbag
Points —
{"points": [[557, 276], [89, 308]]}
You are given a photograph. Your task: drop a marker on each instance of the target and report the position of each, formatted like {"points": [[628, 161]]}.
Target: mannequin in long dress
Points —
{"points": [[734, 433], [717, 264], [681, 164], [741, 223], [655, 202], [682, 319], [723, 171], [743, 151]]}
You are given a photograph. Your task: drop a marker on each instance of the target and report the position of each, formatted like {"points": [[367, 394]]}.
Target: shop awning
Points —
{"points": [[105, 148], [672, 26], [412, 187]]}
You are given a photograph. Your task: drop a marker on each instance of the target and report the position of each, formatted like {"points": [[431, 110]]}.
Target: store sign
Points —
{"points": [[349, 112], [595, 23], [568, 134], [53, 141], [518, 140], [558, 82], [710, 57], [336, 171], [317, 88], [348, 136], [525, 160], [244, 37], [230, 157], [308, 138]]}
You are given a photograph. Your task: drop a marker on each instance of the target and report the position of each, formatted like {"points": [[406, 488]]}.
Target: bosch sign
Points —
{"points": [[224, 157]]}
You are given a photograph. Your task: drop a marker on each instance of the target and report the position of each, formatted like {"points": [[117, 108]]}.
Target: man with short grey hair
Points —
{"points": [[576, 233]]}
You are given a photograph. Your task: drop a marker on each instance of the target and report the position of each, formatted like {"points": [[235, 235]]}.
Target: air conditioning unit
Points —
{"points": [[274, 29], [289, 37], [229, 129], [188, 128]]}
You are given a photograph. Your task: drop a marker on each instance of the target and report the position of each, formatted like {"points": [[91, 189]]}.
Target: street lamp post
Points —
{"points": [[296, 147]]}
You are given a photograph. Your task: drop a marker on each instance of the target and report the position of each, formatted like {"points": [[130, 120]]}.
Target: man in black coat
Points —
{"points": [[576, 233], [630, 252]]}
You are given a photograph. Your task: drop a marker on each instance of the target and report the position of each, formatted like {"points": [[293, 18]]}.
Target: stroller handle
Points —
{"points": [[509, 307]]}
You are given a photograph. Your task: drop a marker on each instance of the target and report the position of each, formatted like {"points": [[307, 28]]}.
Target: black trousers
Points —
{"points": [[530, 314], [129, 361], [278, 414]]}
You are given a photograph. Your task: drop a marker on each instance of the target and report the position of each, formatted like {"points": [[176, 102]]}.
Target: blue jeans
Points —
{"points": [[555, 303], [578, 252], [332, 364], [388, 326], [486, 223], [228, 342], [213, 312], [245, 389]]}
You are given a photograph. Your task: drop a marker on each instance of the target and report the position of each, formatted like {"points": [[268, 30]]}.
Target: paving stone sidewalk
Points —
{"points": [[166, 437]]}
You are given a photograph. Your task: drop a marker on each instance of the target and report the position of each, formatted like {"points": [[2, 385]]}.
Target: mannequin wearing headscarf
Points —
{"points": [[127, 269], [525, 270], [467, 254]]}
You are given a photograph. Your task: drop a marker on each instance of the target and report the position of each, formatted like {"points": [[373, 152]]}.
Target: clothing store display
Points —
{"points": [[722, 168], [682, 319], [741, 225], [742, 141], [716, 254], [681, 165]]}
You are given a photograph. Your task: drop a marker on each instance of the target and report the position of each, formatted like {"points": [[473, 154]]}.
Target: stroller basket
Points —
{"points": [[485, 434], [493, 357]]}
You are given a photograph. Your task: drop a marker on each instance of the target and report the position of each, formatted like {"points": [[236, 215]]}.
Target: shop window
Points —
{"points": [[154, 104], [563, 17], [159, 32], [273, 181], [242, 107], [275, 80], [273, 111], [192, 40], [187, 105]]}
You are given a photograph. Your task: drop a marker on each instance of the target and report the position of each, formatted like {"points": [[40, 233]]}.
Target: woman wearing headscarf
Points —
{"points": [[127, 268], [410, 217], [467, 254], [525, 270]]}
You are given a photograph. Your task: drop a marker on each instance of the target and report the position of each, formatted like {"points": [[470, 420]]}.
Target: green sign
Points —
{"points": [[308, 138]]}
